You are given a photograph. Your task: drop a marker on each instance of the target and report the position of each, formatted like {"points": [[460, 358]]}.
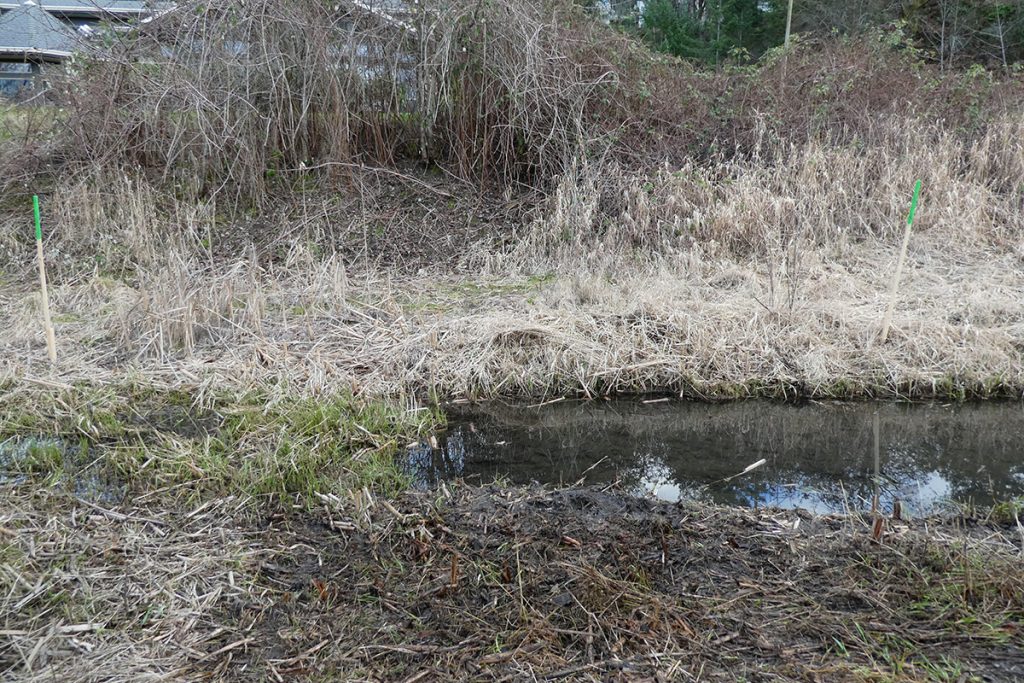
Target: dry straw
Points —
{"points": [[752, 272]]}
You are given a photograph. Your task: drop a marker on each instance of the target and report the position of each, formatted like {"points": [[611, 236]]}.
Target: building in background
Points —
{"points": [[37, 33]]}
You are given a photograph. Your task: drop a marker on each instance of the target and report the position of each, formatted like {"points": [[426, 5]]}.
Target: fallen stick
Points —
{"points": [[749, 468]]}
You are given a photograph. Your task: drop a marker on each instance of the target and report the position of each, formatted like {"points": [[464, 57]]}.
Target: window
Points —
{"points": [[15, 68], [13, 87]]}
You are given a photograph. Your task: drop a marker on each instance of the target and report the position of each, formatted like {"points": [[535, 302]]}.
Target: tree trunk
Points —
{"points": [[942, 40], [1002, 39]]}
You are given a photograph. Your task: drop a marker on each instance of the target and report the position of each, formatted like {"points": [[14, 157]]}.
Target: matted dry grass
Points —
{"points": [[89, 593], [700, 327], [507, 584]]}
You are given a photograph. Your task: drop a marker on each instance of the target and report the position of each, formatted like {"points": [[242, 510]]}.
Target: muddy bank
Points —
{"points": [[504, 584], [583, 584]]}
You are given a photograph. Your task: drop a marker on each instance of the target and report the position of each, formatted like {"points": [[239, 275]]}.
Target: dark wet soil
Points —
{"points": [[589, 584]]}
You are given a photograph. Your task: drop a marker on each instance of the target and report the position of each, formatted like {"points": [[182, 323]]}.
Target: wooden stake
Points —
{"points": [[51, 339], [899, 264]]}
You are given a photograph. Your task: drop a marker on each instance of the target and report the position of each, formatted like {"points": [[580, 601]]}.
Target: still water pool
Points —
{"points": [[818, 456]]}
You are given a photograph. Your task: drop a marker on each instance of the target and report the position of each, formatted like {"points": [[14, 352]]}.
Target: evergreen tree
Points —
{"points": [[711, 31]]}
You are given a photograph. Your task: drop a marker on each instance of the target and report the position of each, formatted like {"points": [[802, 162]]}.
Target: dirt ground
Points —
{"points": [[501, 584]]}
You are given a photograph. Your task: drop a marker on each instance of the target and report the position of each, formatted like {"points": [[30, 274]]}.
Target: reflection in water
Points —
{"points": [[819, 456]]}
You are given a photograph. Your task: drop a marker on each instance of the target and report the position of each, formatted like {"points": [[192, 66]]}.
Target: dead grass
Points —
{"points": [[565, 585], [754, 277], [781, 200], [94, 594], [697, 325]]}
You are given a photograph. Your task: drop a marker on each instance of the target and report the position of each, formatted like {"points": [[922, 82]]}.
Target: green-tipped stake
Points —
{"points": [[899, 264], [51, 340]]}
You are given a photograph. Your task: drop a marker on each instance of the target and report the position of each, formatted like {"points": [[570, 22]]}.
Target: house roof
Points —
{"points": [[29, 30], [88, 7]]}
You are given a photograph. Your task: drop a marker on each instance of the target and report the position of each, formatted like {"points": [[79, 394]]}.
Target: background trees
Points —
{"points": [[712, 30], [962, 32], [953, 33]]}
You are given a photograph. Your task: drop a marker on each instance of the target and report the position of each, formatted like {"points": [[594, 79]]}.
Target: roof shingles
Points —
{"points": [[91, 6], [29, 30]]}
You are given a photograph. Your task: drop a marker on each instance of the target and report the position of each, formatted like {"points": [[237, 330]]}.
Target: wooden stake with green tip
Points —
{"points": [[899, 264], [51, 339]]}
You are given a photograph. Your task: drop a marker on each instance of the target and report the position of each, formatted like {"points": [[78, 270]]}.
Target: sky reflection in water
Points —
{"points": [[819, 456]]}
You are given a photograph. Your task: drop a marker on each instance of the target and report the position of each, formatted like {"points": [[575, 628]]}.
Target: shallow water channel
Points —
{"points": [[818, 456]]}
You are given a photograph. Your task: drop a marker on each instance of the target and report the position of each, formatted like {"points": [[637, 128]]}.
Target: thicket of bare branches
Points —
{"points": [[230, 95], [235, 99]]}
